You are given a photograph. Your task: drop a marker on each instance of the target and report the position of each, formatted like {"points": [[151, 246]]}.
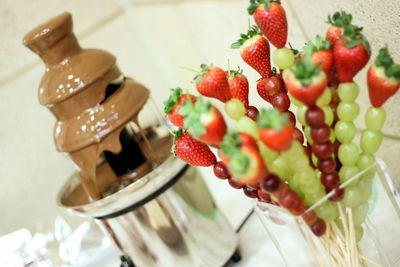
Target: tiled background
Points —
{"points": [[150, 38]]}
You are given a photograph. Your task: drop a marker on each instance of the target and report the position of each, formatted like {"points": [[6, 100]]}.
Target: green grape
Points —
{"points": [[352, 196], [327, 211], [348, 172], [328, 115], [283, 58], [311, 188], [375, 118], [348, 111], [300, 164], [301, 114], [348, 92], [235, 109], [247, 125], [366, 188], [294, 185], [365, 161], [307, 133], [294, 152], [305, 177], [280, 167], [294, 100], [267, 154], [345, 131], [332, 137], [314, 197], [325, 98], [359, 232], [370, 141], [360, 213], [348, 154]]}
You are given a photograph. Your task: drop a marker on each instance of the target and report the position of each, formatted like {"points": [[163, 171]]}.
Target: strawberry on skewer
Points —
{"points": [[254, 50], [270, 17], [337, 23], [320, 54], [191, 150], [351, 53], [383, 78], [172, 105], [239, 86], [203, 121], [239, 152], [212, 82]]}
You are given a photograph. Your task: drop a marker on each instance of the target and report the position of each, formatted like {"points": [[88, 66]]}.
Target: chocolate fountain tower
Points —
{"points": [[79, 89], [157, 209]]}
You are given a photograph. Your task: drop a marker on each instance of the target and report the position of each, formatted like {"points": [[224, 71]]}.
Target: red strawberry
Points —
{"points": [[270, 17], [351, 54], [241, 155], [306, 82], [239, 86], [268, 87], [383, 78], [320, 54], [254, 50], [212, 82], [336, 30], [203, 121], [192, 151], [173, 104], [275, 130]]}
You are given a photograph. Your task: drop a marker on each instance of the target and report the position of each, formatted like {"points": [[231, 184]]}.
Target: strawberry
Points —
{"points": [[306, 82], [212, 82], [239, 86], [383, 78], [254, 50], [275, 130], [351, 53], [203, 121], [336, 30], [241, 155], [268, 87], [172, 105], [270, 17], [191, 150], [320, 54]]}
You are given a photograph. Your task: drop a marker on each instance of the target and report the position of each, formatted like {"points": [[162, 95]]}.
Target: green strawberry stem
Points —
{"points": [[272, 119], [176, 134], [304, 70], [230, 146], [192, 113], [340, 19], [172, 100], [320, 44], [189, 69], [254, 30], [384, 60]]}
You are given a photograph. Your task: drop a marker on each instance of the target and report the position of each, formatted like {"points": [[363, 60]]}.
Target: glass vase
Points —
{"points": [[379, 245]]}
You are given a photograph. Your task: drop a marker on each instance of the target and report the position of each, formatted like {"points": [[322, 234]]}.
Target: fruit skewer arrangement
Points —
{"points": [[266, 155]]}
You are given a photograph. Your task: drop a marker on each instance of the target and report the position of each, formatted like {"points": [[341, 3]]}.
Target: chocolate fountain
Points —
{"points": [[156, 209]]}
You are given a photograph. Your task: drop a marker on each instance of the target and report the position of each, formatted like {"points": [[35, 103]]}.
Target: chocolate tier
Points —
{"points": [[83, 88]]}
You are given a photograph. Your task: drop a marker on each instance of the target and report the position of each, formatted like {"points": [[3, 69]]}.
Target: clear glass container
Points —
{"points": [[379, 246]]}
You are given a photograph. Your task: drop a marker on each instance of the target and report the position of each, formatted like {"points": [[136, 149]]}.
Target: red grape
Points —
{"points": [[322, 151], [271, 183], [327, 165], [220, 170], [315, 117], [252, 112], [289, 199], [281, 102], [298, 135], [339, 194], [321, 134], [235, 184], [299, 208], [319, 227], [273, 85], [281, 190], [290, 117], [330, 180], [309, 218], [263, 196], [250, 192]]}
